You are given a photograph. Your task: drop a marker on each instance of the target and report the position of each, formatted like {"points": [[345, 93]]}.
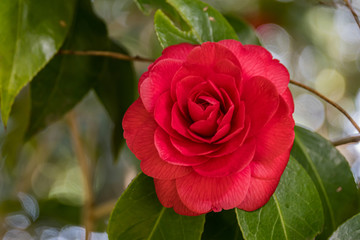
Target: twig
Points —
{"points": [[356, 17], [115, 55], [337, 106], [353, 139], [86, 174], [104, 209]]}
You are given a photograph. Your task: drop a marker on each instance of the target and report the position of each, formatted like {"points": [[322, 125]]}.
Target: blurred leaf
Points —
{"points": [[31, 33], [349, 230], [115, 87], [332, 177], [222, 225], [293, 212], [68, 78], [168, 34], [244, 30], [11, 139], [139, 215], [50, 210], [56, 210]]}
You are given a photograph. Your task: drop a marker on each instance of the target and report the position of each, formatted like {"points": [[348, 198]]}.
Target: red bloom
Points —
{"points": [[213, 126]]}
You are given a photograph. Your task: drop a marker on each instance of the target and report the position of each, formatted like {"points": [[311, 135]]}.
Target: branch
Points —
{"points": [[86, 174], [356, 17], [115, 55], [353, 139], [337, 106], [104, 209]]}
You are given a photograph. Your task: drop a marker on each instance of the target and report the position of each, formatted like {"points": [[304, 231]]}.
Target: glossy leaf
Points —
{"points": [[116, 88], [68, 78], [332, 177], [146, 6], [168, 34], [207, 23], [31, 33], [349, 230], [293, 212], [222, 225], [139, 215], [203, 23], [244, 30]]}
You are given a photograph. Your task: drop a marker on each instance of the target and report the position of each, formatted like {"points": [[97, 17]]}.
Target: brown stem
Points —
{"points": [[115, 55], [356, 17], [337, 106], [104, 209], [86, 174], [353, 139]]}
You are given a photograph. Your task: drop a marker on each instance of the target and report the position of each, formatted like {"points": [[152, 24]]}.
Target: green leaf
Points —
{"points": [[221, 225], [332, 177], [146, 6], [293, 212], [31, 33], [205, 21], [245, 31], [68, 78], [349, 230], [168, 34], [200, 23], [116, 88], [139, 215]]}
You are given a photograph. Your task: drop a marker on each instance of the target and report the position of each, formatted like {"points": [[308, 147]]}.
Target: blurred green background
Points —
{"points": [[41, 189]]}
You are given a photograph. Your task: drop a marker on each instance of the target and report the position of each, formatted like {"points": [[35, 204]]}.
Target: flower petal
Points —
{"points": [[282, 127], [260, 191], [158, 82], [139, 128], [168, 197], [228, 164], [169, 154], [204, 194], [257, 61], [261, 102]]}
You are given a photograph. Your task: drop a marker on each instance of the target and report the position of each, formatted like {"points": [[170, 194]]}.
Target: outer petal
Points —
{"points": [[169, 154], [276, 137], [261, 102], [204, 194], [158, 81], [260, 191], [270, 168], [257, 61], [168, 197], [287, 96], [139, 128], [228, 164], [179, 52]]}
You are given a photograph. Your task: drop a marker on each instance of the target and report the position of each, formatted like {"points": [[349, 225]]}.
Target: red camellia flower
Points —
{"points": [[213, 126]]}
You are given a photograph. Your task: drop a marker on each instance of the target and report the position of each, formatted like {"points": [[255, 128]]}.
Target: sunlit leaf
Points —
{"points": [[293, 212], [168, 34], [203, 23], [31, 33], [332, 177], [349, 230], [139, 215]]}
